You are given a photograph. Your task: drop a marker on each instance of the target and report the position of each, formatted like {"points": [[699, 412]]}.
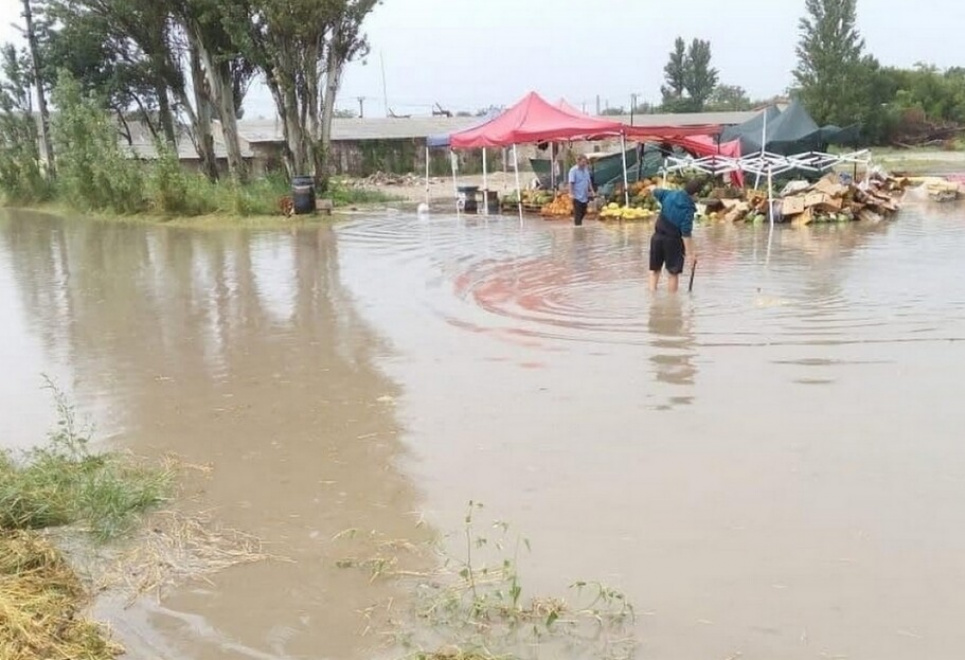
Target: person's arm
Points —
{"points": [[659, 194], [570, 181]]}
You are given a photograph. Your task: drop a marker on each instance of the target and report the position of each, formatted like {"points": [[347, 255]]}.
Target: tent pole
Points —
{"points": [[519, 190], [427, 176], [770, 196], [757, 179], [485, 183], [455, 188], [626, 181]]}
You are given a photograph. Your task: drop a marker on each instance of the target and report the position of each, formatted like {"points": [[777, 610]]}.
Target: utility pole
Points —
{"points": [[598, 105], [41, 95], [361, 107]]}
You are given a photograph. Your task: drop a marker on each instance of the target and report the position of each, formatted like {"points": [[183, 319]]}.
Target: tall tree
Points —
{"points": [[218, 75], [675, 73], [346, 42], [700, 78], [34, 49], [301, 47], [831, 71]]}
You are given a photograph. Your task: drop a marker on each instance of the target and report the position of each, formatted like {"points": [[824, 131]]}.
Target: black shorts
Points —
{"points": [[666, 250]]}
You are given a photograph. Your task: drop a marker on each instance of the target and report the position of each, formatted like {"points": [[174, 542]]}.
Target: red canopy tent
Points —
{"points": [[534, 120], [566, 107]]}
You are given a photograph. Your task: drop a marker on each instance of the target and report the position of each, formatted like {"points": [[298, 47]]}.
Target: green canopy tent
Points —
{"points": [[792, 131]]}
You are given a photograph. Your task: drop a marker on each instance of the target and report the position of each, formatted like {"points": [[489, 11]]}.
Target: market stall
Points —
{"points": [[533, 120]]}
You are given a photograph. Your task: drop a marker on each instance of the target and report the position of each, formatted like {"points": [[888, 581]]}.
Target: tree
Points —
{"points": [[832, 75], [675, 73], [301, 47], [689, 76], [728, 98], [219, 76], [34, 49], [21, 177], [700, 78]]}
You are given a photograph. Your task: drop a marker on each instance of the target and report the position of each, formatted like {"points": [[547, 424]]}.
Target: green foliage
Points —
{"points": [[700, 77], [690, 78], [675, 72], [94, 173], [22, 179], [728, 98], [832, 75], [64, 483]]}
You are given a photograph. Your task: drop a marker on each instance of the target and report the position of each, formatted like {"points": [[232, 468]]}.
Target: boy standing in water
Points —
{"points": [[672, 240]]}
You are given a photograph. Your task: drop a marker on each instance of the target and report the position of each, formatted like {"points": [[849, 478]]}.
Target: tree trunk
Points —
{"points": [[278, 97], [229, 121], [41, 94], [294, 129], [332, 75], [218, 84], [201, 120], [165, 114]]}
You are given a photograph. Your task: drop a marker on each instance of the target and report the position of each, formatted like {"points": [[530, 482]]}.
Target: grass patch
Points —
{"points": [[345, 193], [64, 483]]}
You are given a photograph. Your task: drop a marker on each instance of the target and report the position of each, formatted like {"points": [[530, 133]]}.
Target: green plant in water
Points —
{"points": [[64, 483], [471, 609]]}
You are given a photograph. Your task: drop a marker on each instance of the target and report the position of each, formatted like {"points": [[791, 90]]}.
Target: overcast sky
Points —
{"points": [[468, 54]]}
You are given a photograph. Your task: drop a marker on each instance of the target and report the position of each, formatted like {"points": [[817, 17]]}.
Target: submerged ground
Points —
{"points": [[768, 467]]}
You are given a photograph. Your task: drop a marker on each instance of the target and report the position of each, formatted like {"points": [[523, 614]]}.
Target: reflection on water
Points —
{"points": [[240, 350], [770, 467], [673, 344]]}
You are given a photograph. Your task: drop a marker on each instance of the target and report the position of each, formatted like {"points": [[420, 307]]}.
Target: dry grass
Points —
{"points": [[41, 604], [174, 548]]}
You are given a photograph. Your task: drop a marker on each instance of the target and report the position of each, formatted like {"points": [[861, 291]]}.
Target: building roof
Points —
{"points": [[391, 128], [270, 130], [688, 118]]}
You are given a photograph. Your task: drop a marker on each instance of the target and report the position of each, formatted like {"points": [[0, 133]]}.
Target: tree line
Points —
{"points": [[191, 62], [836, 80]]}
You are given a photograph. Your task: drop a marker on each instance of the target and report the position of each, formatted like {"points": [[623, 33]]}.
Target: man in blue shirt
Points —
{"points": [[672, 238], [581, 188]]}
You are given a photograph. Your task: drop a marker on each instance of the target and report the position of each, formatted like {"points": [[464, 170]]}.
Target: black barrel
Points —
{"points": [[492, 201], [468, 195], [303, 194]]}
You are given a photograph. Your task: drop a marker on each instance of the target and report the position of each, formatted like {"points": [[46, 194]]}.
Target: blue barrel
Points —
{"points": [[303, 194]]}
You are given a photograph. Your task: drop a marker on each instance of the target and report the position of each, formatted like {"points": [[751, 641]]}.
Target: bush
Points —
{"points": [[93, 172], [22, 178]]}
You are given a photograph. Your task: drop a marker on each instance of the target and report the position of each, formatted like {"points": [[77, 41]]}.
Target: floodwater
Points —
{"points": [[769, 467]]}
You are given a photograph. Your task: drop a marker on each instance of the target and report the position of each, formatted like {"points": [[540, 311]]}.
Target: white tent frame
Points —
{"points": [[768, 165]]}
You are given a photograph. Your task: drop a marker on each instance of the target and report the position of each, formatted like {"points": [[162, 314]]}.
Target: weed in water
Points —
{"points": [[64, 483], [471, 608]]}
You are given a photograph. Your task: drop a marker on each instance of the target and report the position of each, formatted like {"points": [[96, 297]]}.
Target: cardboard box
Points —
{"points": [[792, 206]]}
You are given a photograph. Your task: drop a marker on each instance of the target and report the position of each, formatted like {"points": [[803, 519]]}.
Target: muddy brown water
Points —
{"points": [[770, 467]]}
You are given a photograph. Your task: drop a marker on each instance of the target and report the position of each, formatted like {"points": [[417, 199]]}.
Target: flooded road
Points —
{"points": [[769, 467]]}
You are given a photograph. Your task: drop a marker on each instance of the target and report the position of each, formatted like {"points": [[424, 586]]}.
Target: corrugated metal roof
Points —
{"points": [[267, 130]]}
